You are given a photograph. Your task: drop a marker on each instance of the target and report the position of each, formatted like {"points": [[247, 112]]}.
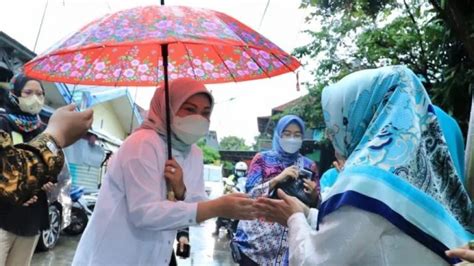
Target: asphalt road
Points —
{"points": [[205, 249]]}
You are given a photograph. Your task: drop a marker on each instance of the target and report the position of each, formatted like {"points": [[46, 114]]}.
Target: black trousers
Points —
{"points": [[173, 260]]}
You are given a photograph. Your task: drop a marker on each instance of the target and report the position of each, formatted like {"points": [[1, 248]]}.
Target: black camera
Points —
{"points": [[295, 188]]}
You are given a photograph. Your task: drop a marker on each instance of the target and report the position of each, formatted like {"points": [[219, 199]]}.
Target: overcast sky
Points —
{"points": [[282, 24]]}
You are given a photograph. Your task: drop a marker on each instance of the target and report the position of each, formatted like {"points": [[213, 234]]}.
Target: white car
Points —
{"points": [[213, 180]]}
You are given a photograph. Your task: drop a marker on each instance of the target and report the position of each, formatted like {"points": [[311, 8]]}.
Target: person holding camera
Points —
{"points": [[258, 242]]}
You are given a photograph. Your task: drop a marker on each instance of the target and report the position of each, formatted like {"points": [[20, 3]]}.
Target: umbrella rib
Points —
{"points": [[119, 75], [255, 61], [283, 63], [84, 74], [158, 67], [190, 61], [225, 23], [222, 59]]}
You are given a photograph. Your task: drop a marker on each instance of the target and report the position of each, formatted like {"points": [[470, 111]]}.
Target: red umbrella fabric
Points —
{"points": [[124, 49]]}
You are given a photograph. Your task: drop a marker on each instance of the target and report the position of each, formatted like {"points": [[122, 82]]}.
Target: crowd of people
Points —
{"points": [[396, 195]]}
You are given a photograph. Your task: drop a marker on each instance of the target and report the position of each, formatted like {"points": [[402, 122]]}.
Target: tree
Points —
{"points": [[432, 37], [233, 143], [422, 34], [211, 156]]}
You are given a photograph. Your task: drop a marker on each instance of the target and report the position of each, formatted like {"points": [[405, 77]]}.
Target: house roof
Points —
{"points": [[286, 105], [59, 94], [265, 124], [119, 98], [15, 48], [262, 122], [235, 156]]}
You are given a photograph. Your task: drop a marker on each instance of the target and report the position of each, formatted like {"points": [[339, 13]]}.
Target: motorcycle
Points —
{"points": [[82, 206]]}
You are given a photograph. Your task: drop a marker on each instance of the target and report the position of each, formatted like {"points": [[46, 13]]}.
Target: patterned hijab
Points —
{"points": [[398, 163], [25, 122], [180, 90], [286, 158]]}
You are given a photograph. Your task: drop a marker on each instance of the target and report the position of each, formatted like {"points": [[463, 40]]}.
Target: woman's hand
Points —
{"points": [[310, 187], [31, 201], [289, 172], [463, 253], [238, 206], [279, 211], [339, 164], [48, 187], [66, 125], [183, 240], [174, 175]]}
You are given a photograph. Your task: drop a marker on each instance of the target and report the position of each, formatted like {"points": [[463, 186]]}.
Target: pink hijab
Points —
{"points": [[180, 90]]}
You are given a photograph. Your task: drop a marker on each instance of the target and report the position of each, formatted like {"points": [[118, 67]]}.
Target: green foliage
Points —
{"points": [[351, 35], [233, 143], [310, 108], [211, 156], [228, 168]]}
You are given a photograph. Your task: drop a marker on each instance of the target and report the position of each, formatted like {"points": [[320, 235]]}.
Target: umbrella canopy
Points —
{"points": [[147, 46], [124, 49]]}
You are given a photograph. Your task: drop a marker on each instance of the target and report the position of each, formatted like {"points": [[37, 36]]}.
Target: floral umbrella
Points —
{"points": [[146, 46], [125, 49]]}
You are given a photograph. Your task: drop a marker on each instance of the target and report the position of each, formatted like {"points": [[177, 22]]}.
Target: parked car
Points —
{"points": [[59, 211], [213, 180]]}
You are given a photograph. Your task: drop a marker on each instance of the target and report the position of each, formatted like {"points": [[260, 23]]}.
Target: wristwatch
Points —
{"points": [[51, 144]]}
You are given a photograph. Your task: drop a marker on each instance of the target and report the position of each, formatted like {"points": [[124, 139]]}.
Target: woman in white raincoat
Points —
{"points": [[133, 222]]}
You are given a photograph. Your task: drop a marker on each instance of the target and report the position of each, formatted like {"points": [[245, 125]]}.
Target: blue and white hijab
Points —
{"points": [[398, 164], [285, 157]]}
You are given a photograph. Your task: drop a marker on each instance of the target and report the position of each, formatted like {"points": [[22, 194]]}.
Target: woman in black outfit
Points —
{"points": [[20, 225]]}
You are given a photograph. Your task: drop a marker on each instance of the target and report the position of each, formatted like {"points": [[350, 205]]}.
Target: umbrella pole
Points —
{"points": [[164, 54]]}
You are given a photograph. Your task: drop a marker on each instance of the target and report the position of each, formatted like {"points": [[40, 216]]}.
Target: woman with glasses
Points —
{"points": [[262, 243]]}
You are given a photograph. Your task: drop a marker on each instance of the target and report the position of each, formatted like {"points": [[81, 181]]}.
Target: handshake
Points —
{"points": [[239, 206]]}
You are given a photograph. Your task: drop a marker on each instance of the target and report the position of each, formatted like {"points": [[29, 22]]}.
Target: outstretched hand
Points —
{"points": [[66, 125], [238, 206], [463, 253], [274, 210]]}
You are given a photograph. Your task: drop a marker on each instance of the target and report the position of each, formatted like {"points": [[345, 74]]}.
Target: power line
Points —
{"points": [[263, 15], [108, 6], [41, 25]]}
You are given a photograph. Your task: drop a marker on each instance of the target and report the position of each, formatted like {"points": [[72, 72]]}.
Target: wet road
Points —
{"points": [[205, 249]]}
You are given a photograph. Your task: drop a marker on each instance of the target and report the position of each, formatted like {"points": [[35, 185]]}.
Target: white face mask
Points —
{"points": [[239, 173], [31, 104], [291, 145], [191, 128]]}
